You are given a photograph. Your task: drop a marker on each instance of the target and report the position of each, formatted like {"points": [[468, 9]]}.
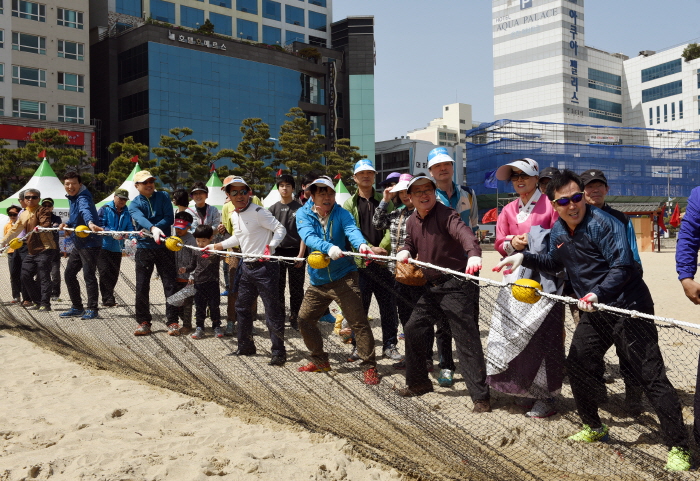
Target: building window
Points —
{"points": [[699, 78], [2, 38], [163, 11], [34, 77], [2, 106], [70, 18], [2, 7], [130, 7], [248, 6], [29, 10], [673, 111], [662, 91], [604, 81], [29, 109], [71, 82], [191, 17], [2, 72], [658, 71], [221, 3], [272, 10], [317, 21], [320, 3], [339, 106], [651, 116], [272, 35], [71, 113], [665, 112], [247, 30], [604, 109], [71, 50], [317, 41], [294, 15], [658, 114], [680, 109], [222, 23], [291, 37], [28, 43], [133, 105]]}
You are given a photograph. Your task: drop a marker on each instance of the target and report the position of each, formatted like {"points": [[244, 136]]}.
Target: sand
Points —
{"points": [[61, 420]]}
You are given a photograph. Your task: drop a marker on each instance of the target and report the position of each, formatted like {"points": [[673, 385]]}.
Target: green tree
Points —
{"points": [[254, 155], [182, 160], [342, 160], [207, 28], [122, 165], [691, 52], [302, 146]]}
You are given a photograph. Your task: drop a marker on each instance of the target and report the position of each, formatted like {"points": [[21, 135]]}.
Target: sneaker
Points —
{"points": [[89, 314], [225, 293], [184, 330], [482, 407], [392, 353], [401, 365], [173, 329], [402, 336], [109, 304], [144, 329], [293, 323], [542, 409], [371, 377], [198, 333], [354, 356], [678, 460], [330, 318], [278, 360], [230, 329], [633, 400], [218, 332], [33, 307], [246, 352], [72, 312], [45, 308], [16, 300], [311, 367], [588, 435], [27, 303], [445, 378], [413, 391], [56, 299]]}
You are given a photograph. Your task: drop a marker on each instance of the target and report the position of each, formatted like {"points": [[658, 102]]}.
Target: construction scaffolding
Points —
{"points": [[637, 162]]}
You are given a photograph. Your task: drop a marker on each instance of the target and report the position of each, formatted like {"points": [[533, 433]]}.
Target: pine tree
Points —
{"points": [[121, 167], [302, 145], [254, 155], [342, 160]]}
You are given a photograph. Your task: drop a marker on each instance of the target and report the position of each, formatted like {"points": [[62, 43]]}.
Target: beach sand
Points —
{"points": [[64, 421]]}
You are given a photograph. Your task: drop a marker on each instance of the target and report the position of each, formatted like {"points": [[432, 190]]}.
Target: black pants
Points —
{"points": [[85, 259], [164, 261], [638, 340], [38, 265], [296, 285], [378, 280], [56, 273], [184, 312], [207, 295], [406, 299], [452, 300], [14, 262], [108, 265]]}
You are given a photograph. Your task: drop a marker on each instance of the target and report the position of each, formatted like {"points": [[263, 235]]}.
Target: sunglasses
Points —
{"points": [[31, 197], [564, 201], [12, 215], [516, 177], [234, 193], [149, 181]]}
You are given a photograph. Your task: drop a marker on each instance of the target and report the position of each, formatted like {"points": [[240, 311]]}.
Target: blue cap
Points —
{"points": [[363, 164], [438, 155]]}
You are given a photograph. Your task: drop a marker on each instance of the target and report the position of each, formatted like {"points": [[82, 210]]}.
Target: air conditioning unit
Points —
{"points": [[646, 53]]}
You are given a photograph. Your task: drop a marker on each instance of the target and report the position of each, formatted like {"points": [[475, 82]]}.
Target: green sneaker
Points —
{"points": [[588, 435], [678, 460]]}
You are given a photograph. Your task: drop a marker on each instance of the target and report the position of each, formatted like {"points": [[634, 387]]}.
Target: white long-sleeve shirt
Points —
{"points": [[255, 227]]}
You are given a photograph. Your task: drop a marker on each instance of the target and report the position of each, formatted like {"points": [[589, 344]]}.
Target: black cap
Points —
{"points": [[592, 175], [548, 172]]}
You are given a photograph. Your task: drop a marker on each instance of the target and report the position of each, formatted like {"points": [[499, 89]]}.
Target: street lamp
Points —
{"points": [[668, 182]]}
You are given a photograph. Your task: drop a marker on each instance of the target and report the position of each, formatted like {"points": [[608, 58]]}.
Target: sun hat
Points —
{"points": [[142, 176], [324, 181], [363, 164], [528, 166], [404, 180], [438, 155], [420, 180]]}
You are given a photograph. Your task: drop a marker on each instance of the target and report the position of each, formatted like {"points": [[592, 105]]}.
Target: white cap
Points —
{"points": [[419, 180], [233, 180], [528, 166], [324, 181], [438, 155], [363, 164], [402, 184]]}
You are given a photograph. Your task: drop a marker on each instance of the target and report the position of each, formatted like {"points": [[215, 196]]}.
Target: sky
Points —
{"points": [[435, 52]]}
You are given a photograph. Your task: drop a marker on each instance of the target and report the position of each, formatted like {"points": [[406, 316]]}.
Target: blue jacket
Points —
{"points": [[146, 213], [464, 202], [110, 219], [340, 229], [82, 211], [689, 238], [597, 258]]}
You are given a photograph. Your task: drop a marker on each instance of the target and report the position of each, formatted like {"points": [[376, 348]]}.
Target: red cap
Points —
{"points": [[181, 224]]}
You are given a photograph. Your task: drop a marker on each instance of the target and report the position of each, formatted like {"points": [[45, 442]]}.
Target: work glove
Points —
{"points": [[365, 250], [403, 256], [514, 261], [473, 265], [158, 235], [587, 301], [335, 253]]}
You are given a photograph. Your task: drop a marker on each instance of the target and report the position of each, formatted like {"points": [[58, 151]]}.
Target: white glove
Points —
{"points": [[158, 235], [364, 249], [335, 253], [473, 265], [587, 301], [514, 261], [403, 256]]}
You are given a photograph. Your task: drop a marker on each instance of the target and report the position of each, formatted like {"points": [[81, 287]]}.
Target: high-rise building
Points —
{"points": [[44, 67], [163, 72]]}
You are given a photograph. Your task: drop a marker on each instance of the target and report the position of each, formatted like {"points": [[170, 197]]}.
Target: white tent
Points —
{"points": [[46, 182], [216, 197], [341, 193], [272, 198], [128, 184]]}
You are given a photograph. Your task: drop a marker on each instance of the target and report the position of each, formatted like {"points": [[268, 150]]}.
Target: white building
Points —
{"points": [[543, 71], [449, 129]]}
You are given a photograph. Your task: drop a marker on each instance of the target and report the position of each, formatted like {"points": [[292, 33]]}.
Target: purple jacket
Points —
{"points": [[689, 238]]}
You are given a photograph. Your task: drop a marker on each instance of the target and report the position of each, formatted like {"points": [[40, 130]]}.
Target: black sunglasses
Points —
{"points": [[234, 193], [31, 197], [564, 201], [515, 177], [12, 215]]}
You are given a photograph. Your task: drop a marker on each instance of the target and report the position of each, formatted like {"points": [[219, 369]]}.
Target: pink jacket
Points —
{"points": [[542, 215]]}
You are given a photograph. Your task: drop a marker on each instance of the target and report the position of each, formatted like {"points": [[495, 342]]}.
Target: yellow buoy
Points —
{"points": [[82, 231], [16, 243], [524, 290], [173, 243], [318, 260]]}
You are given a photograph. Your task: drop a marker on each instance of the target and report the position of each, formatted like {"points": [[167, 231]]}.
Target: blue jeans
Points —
{"points": [[378, 280]]}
